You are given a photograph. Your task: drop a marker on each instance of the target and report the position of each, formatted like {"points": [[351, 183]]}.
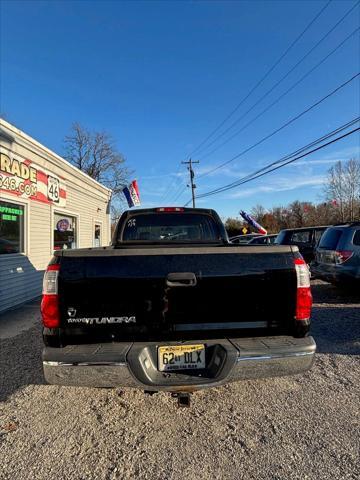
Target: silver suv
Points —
{"points": [[337, 256]]}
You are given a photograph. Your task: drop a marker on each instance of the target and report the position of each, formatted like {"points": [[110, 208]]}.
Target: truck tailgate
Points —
{"points": [[177, 292]]}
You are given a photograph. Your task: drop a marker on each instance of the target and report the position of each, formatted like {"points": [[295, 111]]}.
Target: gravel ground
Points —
{"points": [[301, 427]]}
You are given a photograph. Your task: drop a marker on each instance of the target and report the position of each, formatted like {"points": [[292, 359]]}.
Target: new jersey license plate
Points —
{"points": [[181, 357]]}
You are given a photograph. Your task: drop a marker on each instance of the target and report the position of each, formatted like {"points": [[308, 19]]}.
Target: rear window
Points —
{"points": [[301, 237], [318, 235], [170, 227], [330, 239], [280, 238], [288, 237], [356, 239], [260, 241]]}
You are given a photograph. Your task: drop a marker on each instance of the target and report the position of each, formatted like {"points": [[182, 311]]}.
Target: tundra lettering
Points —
{"points": [[103, 320]]}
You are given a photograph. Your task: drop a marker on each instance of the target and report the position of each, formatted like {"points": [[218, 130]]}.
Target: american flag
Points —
{"points": [[251, 221], [131, 193]]}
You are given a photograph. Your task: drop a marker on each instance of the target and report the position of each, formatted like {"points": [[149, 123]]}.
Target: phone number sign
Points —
{"points": [[25, 179]]}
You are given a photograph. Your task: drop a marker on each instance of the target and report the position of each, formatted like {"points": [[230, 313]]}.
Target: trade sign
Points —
{"points": [[25, 179]]}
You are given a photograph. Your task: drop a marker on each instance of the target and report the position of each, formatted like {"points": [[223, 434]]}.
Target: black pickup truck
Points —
{"points": [[173, 305]]}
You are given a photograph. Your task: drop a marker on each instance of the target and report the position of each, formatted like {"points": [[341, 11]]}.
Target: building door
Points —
{"points": [[97, 235]]}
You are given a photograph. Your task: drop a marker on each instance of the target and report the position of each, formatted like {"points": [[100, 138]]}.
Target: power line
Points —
{"points": [[289, 122], [180, 192], [192, 176], [275, 165], [263, 78], [172, 184], [302, 149], [289, 72], [275, 101], [279, 129], [294, 159], [281, 80], [291, 155]]}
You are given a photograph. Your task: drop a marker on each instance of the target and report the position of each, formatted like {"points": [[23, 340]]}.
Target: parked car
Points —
{"points": [[173, 305], [243, 239], [263, 240], [305, 239], [337, 258]]}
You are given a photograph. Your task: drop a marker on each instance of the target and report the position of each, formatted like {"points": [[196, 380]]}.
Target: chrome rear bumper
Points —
{"points": [[134, 365]]}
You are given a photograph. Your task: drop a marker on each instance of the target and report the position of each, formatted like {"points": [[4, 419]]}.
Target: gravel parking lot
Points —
{"points": [[288, 428]]}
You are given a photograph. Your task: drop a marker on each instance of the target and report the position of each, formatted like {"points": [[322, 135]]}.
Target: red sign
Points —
{"points": [[25, 179]]}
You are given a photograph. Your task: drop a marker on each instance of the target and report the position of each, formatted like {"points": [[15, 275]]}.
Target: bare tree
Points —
{"points": [[352, 188], [298, 213], [117, 209], [95, 153], [335, 188], [258, 212], [343, 189], [280, 217]]}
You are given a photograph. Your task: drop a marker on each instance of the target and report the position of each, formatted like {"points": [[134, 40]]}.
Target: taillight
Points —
{"points": [[50, 302], [342, 255], [303, 295]]}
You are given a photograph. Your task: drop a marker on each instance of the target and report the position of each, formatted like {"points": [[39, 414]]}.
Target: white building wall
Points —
{"points": [[86, 200]]}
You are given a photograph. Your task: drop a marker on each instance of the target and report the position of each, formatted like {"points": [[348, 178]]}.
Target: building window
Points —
{"points": [[97, 235], [65, 232], [11, 227]]}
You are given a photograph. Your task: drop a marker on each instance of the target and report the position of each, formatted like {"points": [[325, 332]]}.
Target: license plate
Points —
{"points": [[181, 357]]}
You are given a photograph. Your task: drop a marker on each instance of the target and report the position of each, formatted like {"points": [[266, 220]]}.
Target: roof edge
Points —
{"points": [[17, 131]]}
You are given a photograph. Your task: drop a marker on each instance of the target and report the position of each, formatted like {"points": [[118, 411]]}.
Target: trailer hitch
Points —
{"points": [[183, 399]]}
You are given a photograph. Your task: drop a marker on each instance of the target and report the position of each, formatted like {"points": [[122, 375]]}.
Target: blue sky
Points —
{"points": [[160, 76]]}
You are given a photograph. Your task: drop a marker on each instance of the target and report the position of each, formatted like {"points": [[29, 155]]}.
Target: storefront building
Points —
{"points": [[46, 204]]}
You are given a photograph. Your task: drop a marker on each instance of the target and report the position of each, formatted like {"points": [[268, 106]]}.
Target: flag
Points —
{"points": [[131, 193], [252, 222]]}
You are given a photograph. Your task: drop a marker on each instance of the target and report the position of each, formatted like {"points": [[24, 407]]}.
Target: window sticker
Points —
{"points": [[63, 225]]}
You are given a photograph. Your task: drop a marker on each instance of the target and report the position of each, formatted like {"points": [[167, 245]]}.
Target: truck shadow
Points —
{"points": [[335, 320], [20, 362], [326, 293]]}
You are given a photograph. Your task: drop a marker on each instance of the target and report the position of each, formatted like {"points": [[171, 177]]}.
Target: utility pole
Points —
{"points": [[192, 175]]}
